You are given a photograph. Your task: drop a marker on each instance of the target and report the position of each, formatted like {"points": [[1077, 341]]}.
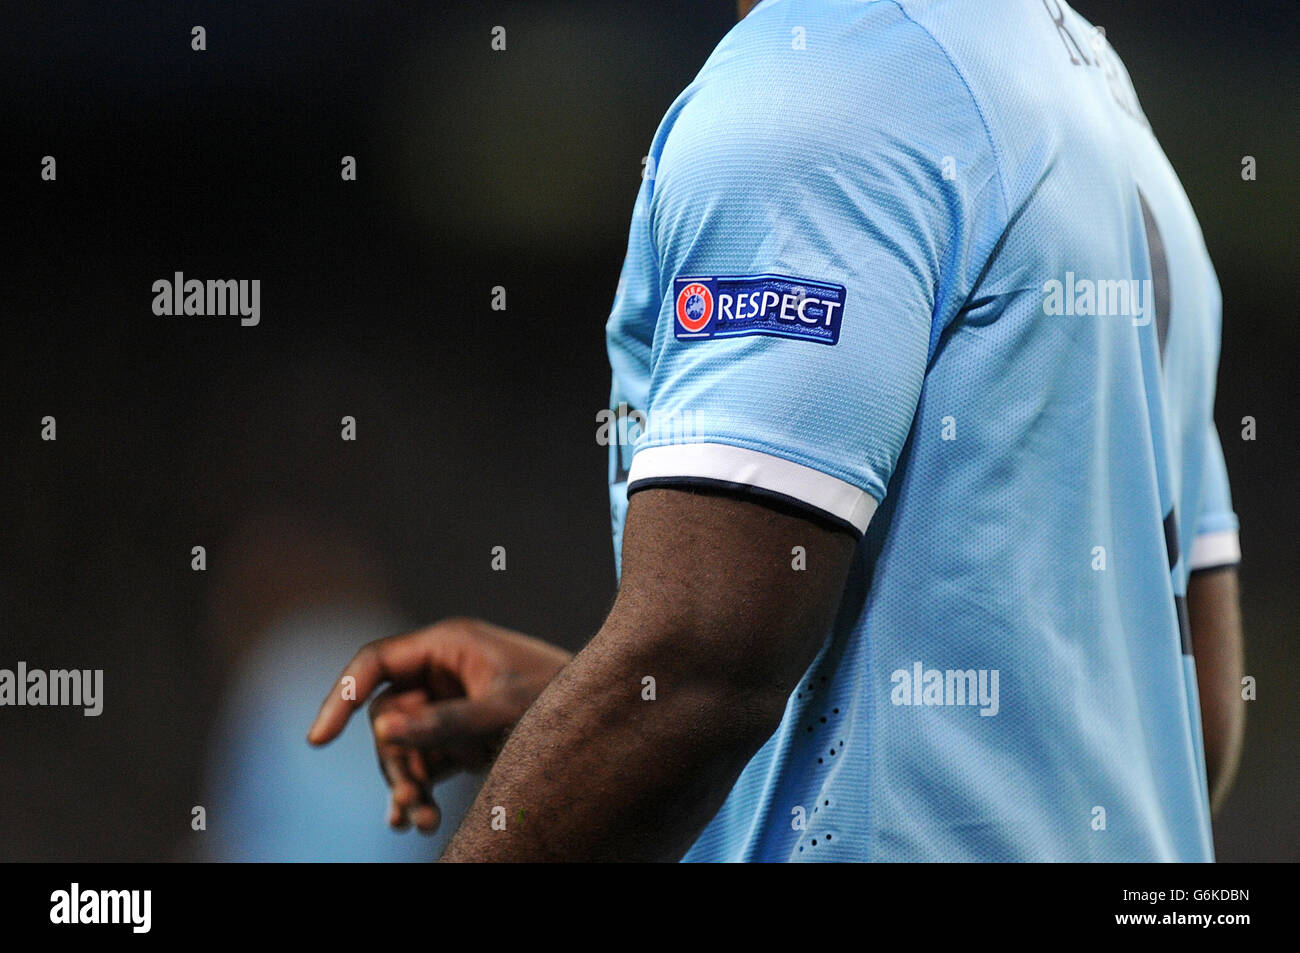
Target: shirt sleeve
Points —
{"points": [[1215, 543], [818, 218]]}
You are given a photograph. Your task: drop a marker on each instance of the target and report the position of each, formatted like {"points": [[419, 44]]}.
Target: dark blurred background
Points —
{"points": [[475, 428]]}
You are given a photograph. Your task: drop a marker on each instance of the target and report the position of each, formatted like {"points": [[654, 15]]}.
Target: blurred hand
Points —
{"points": [[455, 690]]}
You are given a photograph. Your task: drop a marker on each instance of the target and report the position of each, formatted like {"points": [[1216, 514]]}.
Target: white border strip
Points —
{"points": [[717, 461], [1214, 549]]}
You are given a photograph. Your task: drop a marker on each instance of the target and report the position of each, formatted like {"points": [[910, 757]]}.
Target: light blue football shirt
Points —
{"points": [[922, 269]]}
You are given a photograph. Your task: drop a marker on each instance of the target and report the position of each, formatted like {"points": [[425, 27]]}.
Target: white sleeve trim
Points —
{"points": [[725, 464], [1214, 549]]}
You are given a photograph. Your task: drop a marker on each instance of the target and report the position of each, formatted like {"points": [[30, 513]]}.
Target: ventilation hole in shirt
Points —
{"points": [[819, 760], [835, 711], [823, 719], [828, 836], [826, 803], [832, 752], [814, 843]]}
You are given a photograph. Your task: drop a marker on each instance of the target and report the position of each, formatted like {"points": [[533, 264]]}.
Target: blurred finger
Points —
{"points": [[392, 659], [427, 818], [406, 791], [396, 816], [446, 723]]}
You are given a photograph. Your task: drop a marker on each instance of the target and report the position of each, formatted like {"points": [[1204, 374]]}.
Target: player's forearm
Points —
{"points": [[1214, 609], [1224, 731], [596, 770]]}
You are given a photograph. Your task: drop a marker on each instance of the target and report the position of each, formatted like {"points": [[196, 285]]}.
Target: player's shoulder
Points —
{"points": [[834, 43], [822, 75]]}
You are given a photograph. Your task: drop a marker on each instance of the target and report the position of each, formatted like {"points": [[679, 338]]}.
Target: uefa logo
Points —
{"points": [[694, 307]]}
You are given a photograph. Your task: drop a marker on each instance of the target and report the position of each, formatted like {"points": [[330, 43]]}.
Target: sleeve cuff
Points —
{"points": [[1210, 550], [750, 471]]}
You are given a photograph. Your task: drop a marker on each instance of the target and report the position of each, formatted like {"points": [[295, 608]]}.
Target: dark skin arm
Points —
{"points": [[1214, 611], [711, 608]]}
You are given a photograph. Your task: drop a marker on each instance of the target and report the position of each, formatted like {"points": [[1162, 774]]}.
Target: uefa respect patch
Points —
{"points": [[729, 306]]}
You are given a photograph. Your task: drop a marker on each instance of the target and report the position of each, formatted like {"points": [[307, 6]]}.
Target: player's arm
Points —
{"points": [[711, 608], [1215, 615]]}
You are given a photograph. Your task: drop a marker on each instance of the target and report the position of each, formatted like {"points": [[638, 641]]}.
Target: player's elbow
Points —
{"points": [[1223, 744]]}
